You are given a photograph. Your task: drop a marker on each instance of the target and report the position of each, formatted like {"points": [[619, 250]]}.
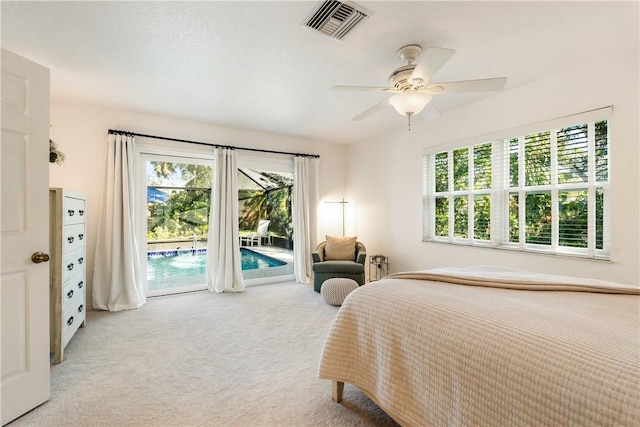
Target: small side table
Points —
{"points": [[378, 267]]}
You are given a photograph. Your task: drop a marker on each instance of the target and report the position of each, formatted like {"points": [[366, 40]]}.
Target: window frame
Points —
{"points": [[501, 189]]}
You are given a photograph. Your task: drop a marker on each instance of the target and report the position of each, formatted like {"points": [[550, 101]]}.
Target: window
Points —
{"points": [[543, 191]]}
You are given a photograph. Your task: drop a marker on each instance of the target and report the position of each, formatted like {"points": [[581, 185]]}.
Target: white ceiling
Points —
{"points": [[252, 65]]}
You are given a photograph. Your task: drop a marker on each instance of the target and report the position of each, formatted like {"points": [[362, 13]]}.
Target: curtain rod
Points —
{"points": [[124, 132]]}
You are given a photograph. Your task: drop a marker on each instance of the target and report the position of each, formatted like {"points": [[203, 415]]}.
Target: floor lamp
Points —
{"points": [[342, 202]]}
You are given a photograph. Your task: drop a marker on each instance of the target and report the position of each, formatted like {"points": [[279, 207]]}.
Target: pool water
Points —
{"points": [[166, 266]]}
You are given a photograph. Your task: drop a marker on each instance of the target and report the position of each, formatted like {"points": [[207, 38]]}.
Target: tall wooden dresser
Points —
{"points": [[67, 269]]}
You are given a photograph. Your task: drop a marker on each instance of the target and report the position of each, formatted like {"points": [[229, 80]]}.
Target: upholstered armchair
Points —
{"points": [[338, 257]]}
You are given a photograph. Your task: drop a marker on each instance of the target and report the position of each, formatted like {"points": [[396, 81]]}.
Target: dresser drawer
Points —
{"points": [[72, 263], [73, 289], [73, 211], [73, 237], [72, 319]]}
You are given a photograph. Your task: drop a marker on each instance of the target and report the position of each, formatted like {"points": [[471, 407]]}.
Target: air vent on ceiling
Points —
{"points": [[335, 18]]}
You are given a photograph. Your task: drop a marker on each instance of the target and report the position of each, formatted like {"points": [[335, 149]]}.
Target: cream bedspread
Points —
{"points": [[528, 350]]}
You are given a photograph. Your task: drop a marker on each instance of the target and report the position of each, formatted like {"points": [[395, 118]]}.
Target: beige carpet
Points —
{"points": [[204, 359]]}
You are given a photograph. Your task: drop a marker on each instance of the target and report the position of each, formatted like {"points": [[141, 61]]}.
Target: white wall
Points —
{"points": [[384, 176], [80, 131], [389, 217]]}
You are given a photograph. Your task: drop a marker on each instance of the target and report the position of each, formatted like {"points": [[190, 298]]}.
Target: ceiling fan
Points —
{"points": [[412, 87]]}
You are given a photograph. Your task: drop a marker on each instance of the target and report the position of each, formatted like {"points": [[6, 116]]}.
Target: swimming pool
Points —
{"points": [[184, 267]]}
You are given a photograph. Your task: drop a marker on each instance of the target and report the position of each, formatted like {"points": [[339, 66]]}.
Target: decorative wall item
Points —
{"points": [[55, 155]]}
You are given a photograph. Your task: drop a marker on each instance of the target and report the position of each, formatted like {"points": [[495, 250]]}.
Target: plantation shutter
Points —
{"points": [[543, 187], [557, 186]]}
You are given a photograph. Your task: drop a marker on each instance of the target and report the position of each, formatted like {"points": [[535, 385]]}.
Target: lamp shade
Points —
{"points": [[409, 102]]}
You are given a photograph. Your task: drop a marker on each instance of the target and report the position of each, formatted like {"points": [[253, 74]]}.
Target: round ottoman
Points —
{"points": [[334, 291]]}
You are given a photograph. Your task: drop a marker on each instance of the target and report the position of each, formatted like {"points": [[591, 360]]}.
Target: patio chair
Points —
{"points": [[261, 233], [346, 261]]}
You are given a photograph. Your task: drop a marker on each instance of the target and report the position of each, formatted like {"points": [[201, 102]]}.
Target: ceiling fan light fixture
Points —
{"points": [[411, 83], [409, 102]]}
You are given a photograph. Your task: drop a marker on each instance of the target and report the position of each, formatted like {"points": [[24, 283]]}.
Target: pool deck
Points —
{"points": [[285, 255]]}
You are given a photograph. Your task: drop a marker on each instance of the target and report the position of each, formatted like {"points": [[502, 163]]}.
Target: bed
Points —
{"points": [[490, 346]]}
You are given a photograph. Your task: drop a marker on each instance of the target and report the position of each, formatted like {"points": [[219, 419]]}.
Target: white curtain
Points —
{"points": [[305, 202], [224, 270], [117, 282]]}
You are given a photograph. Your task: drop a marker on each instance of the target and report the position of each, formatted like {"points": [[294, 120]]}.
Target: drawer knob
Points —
{"points": [[71, 212], [70, 239], [39, 257], [81, 212], [80, 260], [70, 321], [80, 236], [70, 266], [80, 284], [80, 308], [70, 293]]}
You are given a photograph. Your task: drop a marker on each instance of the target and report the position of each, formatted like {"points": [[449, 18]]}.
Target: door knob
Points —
{"points": [[39, 257]]}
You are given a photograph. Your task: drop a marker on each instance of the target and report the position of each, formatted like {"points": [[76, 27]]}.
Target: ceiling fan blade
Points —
{"points": [[433, 58], [365, 88], [481, 85], [371, 110]]}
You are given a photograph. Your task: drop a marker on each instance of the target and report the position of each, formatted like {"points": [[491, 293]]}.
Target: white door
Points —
{"points": [[24, 230]]}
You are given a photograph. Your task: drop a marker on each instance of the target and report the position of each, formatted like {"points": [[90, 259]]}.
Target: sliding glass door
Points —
{"points": [[173, 218], [178, 194], [265, 222]]}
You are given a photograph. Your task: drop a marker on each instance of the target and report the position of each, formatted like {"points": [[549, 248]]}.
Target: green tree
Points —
{"points": [[442, 171], [186, 209], [442, 217], [272, 203]]}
